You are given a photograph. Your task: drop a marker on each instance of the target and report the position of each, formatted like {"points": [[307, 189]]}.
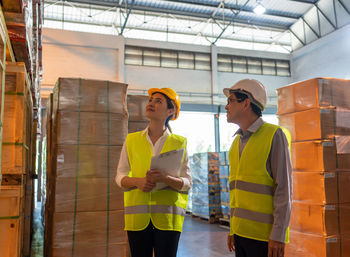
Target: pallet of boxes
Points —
{"points": [[16, 189], [317, 113], [224, 174], [137, 113], [206, 202], [86, 128]]}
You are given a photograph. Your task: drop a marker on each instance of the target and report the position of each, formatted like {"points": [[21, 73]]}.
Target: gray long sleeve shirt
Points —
{"points": [[279, 167]]}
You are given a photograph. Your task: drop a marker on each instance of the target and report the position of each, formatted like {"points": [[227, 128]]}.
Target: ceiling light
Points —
{"points": [[259, 8]]}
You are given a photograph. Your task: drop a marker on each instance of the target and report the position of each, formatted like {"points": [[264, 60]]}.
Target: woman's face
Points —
{"points": [[157, 108]]}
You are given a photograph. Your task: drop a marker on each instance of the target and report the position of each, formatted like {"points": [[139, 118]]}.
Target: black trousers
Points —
{"points": [[163, 242], [246, 247]]}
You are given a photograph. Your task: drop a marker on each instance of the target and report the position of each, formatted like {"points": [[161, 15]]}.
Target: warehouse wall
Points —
{"points": [[95, 56], [325, 57]]}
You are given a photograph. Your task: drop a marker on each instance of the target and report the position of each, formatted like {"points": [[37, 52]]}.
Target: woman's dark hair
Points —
{"points": [[170, 105], [241, 97]]}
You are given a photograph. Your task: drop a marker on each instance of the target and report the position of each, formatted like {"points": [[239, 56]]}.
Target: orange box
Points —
{"points": [[314, 93], [321, 187], [316, 123], [310, 245], [321, 155], [325, 220]]}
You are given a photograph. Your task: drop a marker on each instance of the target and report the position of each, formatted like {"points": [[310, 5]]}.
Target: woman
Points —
{"points": [[154, 218]]}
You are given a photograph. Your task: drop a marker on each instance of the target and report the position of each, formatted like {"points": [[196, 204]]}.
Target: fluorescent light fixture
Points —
{"points": [[259, 9]]}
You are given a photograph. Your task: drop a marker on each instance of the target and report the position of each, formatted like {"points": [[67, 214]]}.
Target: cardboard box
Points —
{"points": [[137, 107], [93, 127], [93, 161], [321, 187], [323, 220], [88, 194], [316, 124], [314, 93], [311, 245], [94, 95], [93, 231], [135, 126], [319, 155]]}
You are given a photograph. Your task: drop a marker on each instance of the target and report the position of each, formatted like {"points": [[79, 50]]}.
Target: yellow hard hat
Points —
{"points": [[169, 92]]}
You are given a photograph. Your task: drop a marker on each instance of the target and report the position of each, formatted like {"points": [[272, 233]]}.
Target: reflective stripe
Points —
{"points": [[136, 209], [139, 209], [252, 187], [168, 209], [252, 215]]}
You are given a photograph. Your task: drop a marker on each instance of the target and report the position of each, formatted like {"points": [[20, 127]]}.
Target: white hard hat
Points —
{"points": [[252, 88]]}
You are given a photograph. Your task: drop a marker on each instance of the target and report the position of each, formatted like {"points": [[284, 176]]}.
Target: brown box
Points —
{"points": [[93, 161], [137, 107], [321, 187], [92, 127], [311, 245], [314, 93], [94, 233], [316, 123], [88, 194], [94, 95], [320, 155], [135, 126]]}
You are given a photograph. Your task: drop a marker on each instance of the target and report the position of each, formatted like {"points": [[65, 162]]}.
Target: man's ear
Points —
{"points": [[171, 112], [246, 103]]}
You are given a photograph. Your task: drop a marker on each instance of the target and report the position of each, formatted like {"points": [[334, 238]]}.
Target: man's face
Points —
{"points": [[233, 109]]}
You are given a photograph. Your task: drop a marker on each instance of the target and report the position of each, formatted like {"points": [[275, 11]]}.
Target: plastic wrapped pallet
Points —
{"points": [[224, 174], [137, 113], [206, 186], [84, 207]]}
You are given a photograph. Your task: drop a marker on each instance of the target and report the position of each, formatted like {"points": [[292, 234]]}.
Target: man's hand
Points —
{"points": [[230, 243], [276, 249], [145, 184]]}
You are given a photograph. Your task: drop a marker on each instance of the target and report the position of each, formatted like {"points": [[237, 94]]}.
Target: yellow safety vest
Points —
{"points": [[166, 207], [251, 186]]}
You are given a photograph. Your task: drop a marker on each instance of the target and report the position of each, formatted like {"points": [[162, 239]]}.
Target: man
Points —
{"points": [[260, 175]]}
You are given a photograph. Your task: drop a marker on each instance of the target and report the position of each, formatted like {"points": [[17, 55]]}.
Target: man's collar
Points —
{"points": [[252, 128]]}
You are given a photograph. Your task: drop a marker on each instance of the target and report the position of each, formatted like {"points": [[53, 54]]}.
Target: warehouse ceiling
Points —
{"points": [[285, 25]]}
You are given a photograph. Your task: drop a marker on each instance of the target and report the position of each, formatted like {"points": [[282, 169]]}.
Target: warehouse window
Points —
{"points": [[250, 65], [167, 58]]}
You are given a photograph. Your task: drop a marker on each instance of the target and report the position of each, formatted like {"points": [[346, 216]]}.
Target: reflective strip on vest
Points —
{"points": [[252, 215], [252, 187], [142, 209]]}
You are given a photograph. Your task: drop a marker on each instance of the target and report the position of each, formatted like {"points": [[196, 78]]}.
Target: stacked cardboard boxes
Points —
{"points": [[206, 186], [137, 113], [16, 189], [84, 207], [224, 173], [317, 113]]}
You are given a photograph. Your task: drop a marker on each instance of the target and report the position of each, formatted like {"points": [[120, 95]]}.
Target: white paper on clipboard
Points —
{"points": [[169, 162]]}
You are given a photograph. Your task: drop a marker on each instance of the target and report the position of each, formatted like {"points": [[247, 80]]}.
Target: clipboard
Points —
{"points": [[169, 162]]}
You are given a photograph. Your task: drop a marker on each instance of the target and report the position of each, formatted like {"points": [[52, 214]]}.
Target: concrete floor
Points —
{"points": [[199, 238]]}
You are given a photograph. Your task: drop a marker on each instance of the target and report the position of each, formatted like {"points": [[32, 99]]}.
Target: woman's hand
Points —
{"points": [[156, 176], [145, 184]]}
